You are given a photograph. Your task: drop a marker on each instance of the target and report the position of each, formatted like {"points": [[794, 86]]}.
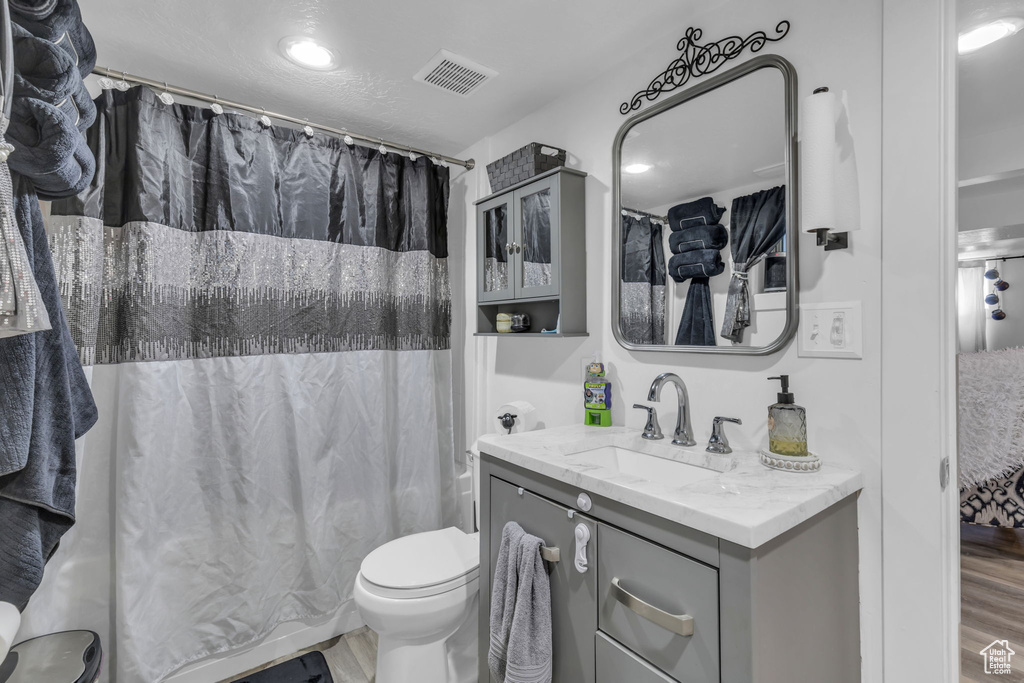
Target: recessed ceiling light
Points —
{"points": [[637, 168], [308, 53], [986, 34]]}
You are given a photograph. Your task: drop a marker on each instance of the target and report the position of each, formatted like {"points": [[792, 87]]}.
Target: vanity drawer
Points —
{"points": [[638, 577], [616, 664]]}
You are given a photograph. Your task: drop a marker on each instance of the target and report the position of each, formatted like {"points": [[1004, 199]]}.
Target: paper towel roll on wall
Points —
{"points": [[526, 417], [829, 186]]}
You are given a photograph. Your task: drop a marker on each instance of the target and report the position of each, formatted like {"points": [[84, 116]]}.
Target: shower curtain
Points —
{"points": [[267, 320], [643, 281]]}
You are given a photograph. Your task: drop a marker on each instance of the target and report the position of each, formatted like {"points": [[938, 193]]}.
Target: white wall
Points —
{"points": [[831, 43]]}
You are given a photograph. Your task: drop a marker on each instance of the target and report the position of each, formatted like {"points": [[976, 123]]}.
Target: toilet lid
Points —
{"points": [[420, 560]]}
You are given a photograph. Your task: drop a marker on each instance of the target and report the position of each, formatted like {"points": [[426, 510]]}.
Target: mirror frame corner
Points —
{"points": [[770, 61]]}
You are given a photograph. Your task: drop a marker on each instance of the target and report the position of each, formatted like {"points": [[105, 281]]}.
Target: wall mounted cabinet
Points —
{"points": [[531, 254]]}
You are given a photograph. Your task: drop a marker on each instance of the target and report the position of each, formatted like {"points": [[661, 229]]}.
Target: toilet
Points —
{"points": [[420, 594]]}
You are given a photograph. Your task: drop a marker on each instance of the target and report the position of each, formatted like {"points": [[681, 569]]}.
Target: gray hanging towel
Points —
{"points": [[45, 405], [758, 221], [520, 626]]}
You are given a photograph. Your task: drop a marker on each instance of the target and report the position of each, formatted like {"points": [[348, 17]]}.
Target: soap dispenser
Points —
{"points": [[787, 424]]}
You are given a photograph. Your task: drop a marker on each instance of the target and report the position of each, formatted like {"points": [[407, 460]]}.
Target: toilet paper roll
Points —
{"points": [[818, 162], [526, 417], [10, 622]]}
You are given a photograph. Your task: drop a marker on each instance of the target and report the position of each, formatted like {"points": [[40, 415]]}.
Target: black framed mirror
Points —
{"points": [[705, 197]]}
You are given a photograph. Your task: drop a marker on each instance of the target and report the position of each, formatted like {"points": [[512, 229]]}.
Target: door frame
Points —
{"points": [[920, 521]]}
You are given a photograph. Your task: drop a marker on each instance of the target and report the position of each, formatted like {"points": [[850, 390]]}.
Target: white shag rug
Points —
{"points": [[991, 414]]}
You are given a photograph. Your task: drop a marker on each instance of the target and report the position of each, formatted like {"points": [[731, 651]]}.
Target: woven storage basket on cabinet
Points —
{"points": [[523, 164]]}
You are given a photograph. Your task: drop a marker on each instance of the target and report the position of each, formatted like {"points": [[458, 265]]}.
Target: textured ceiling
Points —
{"points": [[229, 48], [989, 86]]}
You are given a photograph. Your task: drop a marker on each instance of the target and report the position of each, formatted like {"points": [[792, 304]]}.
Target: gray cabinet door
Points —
{"points": [[495, 255], [573, 594], [536, 241]]}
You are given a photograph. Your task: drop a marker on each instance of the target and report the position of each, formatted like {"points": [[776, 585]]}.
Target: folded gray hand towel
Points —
{"points": [[45, 72], [698, 237], [59, 22], [702, 211], [520, 625], [49, 149], [696, 263]]}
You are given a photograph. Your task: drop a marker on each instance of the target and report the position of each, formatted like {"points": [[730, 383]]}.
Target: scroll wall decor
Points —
{"points": [[699, 60]]}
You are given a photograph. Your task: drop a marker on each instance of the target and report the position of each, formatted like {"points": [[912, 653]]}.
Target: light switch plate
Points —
{"points": [[831, 330]]}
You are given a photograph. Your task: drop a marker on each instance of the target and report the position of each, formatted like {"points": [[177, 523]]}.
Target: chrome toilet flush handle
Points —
{"points": [[719, 443], [652, 430]]}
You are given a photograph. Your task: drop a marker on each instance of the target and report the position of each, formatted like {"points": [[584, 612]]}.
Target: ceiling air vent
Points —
{"points": [[454, 73]]}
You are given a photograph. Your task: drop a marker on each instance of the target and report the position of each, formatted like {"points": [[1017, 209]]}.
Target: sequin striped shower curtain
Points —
{"points": [[267, 320]]}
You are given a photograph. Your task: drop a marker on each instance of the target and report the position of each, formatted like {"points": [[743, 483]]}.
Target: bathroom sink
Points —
{"points": [[649, 467]]}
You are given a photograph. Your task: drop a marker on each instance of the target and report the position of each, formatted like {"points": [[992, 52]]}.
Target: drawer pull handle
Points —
{"points": [[550, 554], [677, 623]]}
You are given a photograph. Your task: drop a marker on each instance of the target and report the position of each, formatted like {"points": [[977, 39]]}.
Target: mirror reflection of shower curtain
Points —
{"points": [[970, 308], [267, 318], [643, 281]]}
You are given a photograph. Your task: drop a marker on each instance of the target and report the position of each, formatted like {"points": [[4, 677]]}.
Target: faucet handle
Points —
{"points": [[652, 430], [719, 443]]}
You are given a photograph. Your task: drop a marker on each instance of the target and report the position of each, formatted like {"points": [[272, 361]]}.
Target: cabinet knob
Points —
{"points": [[584, 503], [516, 248], [508, 248]]}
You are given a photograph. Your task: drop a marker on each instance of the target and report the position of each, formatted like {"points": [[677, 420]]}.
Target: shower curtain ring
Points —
{"points": [[165, 96], [264, 119]]}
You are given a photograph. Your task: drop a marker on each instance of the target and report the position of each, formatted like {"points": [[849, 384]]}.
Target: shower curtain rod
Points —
{"points": [[340, 132], [645, 213]]}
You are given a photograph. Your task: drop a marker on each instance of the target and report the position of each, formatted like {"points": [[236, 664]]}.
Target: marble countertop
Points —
{"points": [[746, 503]]}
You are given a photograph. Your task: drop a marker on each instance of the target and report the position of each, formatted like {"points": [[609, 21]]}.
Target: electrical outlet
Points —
{"points": [[831, 330]]}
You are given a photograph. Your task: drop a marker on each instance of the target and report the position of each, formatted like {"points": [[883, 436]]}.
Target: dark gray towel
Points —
{"points": [[35, 9], [697, 325], [49, 149], [698, 237], [696, 263], [46, 404], [520, 622], [61, 25], [702, 211], [45, 72]]}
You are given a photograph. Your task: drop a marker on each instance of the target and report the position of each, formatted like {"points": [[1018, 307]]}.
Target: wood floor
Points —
{"points": [[351, 657], [991, 599]]}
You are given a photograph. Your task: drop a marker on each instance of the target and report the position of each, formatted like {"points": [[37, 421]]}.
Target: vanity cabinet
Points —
{"points": [[661, 602], [531, 254]]}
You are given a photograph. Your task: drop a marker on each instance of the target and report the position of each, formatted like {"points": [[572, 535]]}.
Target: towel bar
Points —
{"points": [[550, 554]]}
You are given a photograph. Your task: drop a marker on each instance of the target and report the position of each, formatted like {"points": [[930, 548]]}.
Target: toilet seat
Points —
{"points": [[422, 565]]}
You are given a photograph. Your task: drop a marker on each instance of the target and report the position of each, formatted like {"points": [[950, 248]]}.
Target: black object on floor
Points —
{"points": [[309, 668]]}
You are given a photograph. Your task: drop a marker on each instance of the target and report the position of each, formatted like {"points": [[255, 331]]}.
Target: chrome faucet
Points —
{"points": [[652, 430], [683, 435], [719, 442]]}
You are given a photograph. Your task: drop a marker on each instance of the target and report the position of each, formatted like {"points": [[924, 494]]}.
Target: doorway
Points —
{"points": [[990, 326]]}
